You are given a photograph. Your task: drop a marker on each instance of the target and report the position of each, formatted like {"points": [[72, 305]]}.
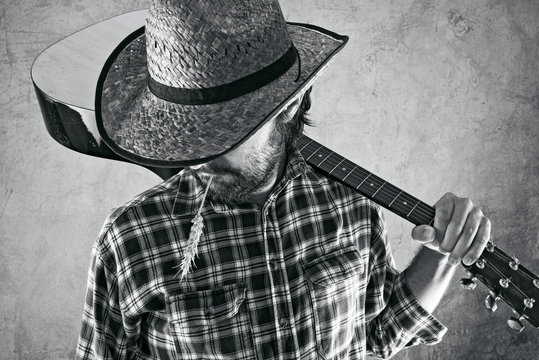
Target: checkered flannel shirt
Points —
{"points": [[306, 275]]}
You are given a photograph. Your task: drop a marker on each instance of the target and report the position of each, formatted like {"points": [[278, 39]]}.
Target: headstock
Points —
{"points": [[509, 281]]}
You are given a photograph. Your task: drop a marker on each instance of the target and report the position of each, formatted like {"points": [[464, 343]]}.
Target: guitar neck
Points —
{"points": [[502, 274], [368, 184]]}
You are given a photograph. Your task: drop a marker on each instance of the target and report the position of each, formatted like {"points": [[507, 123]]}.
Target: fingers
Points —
{"points": [[461, 211], [444, 210], [466, 236], [462, 230], [479, 243]]}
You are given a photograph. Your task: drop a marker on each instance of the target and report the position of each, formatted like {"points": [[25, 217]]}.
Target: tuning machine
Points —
{"points": [[515, 322], [491, 301], [469, 283], [514, 263], [490, 246]]}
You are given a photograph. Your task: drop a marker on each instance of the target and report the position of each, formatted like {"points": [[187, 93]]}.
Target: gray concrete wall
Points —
{"points": [[434, 95]]}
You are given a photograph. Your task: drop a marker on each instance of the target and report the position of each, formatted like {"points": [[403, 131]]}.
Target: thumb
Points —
{"points": [[423, 233]]}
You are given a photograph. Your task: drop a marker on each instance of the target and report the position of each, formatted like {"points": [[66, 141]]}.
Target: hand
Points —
{"points": [[460, 232]]}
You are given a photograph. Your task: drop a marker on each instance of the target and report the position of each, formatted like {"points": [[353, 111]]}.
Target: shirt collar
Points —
{"points": [[190, 193]]}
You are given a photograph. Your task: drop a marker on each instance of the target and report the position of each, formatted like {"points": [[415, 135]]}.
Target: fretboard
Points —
{"points": [[368, 184]]}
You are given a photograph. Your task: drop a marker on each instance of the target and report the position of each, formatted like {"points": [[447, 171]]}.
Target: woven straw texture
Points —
{"points": [[216, 43], [213, 49]]}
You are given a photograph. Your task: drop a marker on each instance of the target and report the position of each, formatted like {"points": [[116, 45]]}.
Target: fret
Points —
{"points": [[387, 195], [376, 192], [307, 144], [391, 203], [344, 179], [519, 287], [357, 187], [310, 156], [325, 158], [336, 166], [413, 209]]}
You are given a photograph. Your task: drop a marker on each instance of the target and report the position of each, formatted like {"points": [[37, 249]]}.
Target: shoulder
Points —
{"points": [[150, 205], [361, 216], [343, 194], [361, 209]]}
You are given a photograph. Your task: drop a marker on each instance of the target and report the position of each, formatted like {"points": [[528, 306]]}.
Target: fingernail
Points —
{"points": [[429, 232], [467, 260], [452, 260]]}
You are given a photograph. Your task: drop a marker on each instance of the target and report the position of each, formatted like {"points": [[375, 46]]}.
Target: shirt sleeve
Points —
{"points": [[394, 318], [102, 334]]}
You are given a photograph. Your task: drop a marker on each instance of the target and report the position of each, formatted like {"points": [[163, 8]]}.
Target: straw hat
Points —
{"points": [[203, 76]]}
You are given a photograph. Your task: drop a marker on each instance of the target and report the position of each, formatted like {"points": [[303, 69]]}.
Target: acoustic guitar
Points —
{"points": [[65, 77]]}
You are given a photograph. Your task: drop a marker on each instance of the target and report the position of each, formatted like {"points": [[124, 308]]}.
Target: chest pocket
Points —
{"points": [[211, 324], [335, 287]]}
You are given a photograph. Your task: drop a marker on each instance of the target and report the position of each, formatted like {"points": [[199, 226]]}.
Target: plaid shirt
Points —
{"points": [[306, 275]]}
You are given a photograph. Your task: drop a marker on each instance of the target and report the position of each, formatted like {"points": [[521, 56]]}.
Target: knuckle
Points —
{"points": [[446, 200], [477, 212], [443, 212], [466, 203], [469, 232]]}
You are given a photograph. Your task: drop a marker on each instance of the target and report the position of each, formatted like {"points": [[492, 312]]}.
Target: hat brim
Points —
{"points": [[145, 129]]}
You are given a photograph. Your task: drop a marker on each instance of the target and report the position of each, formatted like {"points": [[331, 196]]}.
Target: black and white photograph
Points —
{"points": [[269, 180]]}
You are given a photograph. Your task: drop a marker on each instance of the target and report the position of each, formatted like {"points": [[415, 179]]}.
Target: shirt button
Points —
{"points": [[273, 264], [266, 212], [283, 322], [208, 312]]}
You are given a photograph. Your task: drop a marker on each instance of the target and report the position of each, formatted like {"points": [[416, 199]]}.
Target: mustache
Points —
{"points": [[218, 169]]}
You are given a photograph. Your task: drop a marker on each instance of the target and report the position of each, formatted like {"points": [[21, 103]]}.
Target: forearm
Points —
{"points": [[428, 277]]}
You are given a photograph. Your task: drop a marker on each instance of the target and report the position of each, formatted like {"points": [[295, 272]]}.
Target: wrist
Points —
{"points": [[435, 256]]}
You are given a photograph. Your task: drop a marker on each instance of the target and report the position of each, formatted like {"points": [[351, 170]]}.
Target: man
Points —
{"points": [[248, 253]]}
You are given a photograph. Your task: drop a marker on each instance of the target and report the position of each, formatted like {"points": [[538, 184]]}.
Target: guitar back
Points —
{"points": [[65, 77]]}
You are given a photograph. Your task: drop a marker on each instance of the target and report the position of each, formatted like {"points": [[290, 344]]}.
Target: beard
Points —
{"points": [[232, 185]]}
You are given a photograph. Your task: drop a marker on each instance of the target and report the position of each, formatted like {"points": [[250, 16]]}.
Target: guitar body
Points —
{"points": [[65, 77]]}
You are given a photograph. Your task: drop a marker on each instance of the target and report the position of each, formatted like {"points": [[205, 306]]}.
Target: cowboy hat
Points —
{"points": [[202, 76]]}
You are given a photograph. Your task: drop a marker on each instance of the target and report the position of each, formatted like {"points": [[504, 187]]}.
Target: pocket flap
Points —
{"points": [[205, 307], [334, 267]]}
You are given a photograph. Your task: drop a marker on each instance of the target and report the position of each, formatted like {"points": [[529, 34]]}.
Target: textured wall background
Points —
{"points": [[435, 96]]}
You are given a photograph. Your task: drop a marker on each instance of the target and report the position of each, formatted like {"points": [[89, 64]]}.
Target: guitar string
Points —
{"points": [[375, 179], [507, 258], [419, 207], [399, 193], [393, 195], [502, 275]]}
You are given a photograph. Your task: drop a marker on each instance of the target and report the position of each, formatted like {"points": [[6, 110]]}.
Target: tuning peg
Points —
{"points": [[480, 263], [536, 283], [515, 322], [468, 283], [491, 301], [504, 282], [514, 263], [529, 302], [490, 246]]}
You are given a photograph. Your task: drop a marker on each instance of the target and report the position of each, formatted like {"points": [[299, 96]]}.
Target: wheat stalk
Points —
{"points": [[191, 249]]}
